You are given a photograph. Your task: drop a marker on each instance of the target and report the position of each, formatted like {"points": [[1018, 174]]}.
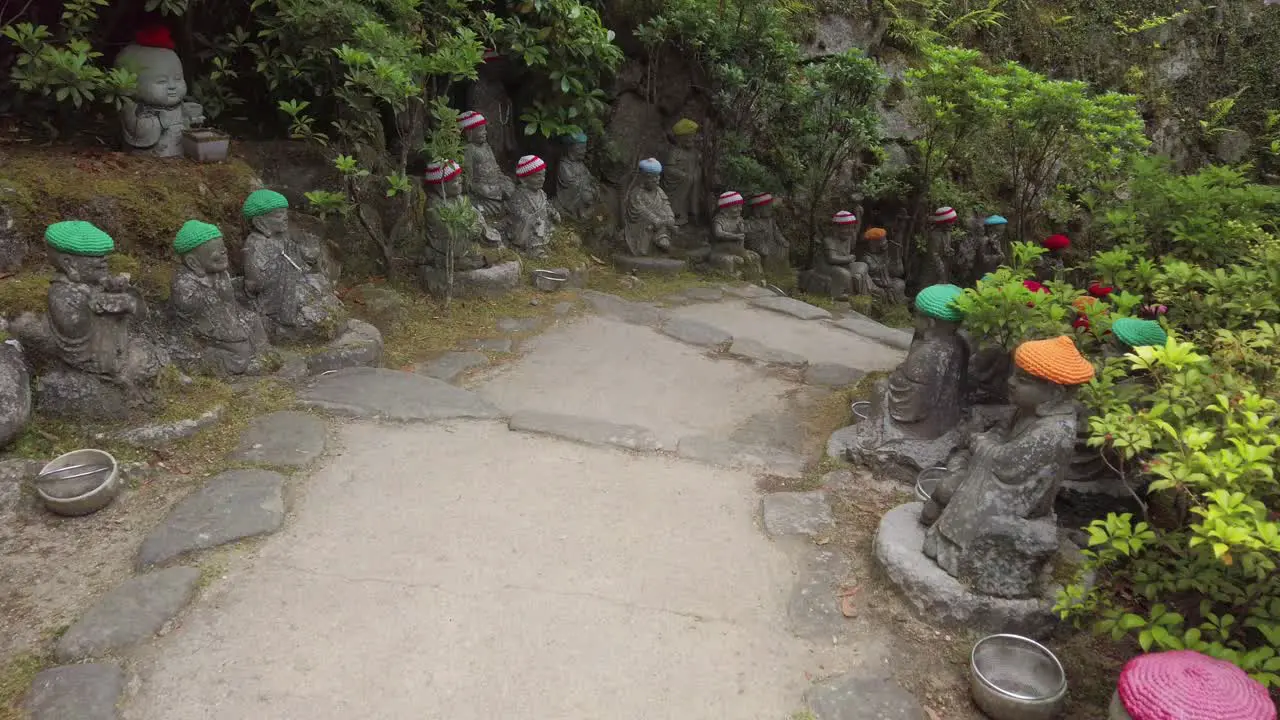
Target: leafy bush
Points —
{"points": [[1000, 310]]}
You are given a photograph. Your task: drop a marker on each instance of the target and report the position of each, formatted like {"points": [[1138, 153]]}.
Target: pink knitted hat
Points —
{"points": [[944, 216], [729, 199], [844, 217], [1186, 685], [760, 199], [528, 165], [471, 119], [440, 173]]}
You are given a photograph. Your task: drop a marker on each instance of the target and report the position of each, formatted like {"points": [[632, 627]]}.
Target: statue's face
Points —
{"points": [[160, 79], [1028, 392], [649, 181], [81, 268], [210, 257], [687, 141], [577, 152], [995, 232], [876, 246], [273, 223], [452, 188], [763, 211], [733, 212], [534, 181], [478, 135], [847, 233]]}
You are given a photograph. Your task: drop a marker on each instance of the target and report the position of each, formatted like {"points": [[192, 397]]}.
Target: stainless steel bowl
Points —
{"points": [[550, 280], [79, 482], [927, 481], [1016, 678], [860, 409]]}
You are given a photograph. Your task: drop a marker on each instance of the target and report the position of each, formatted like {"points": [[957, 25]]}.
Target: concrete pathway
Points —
{"points": [[447, 566]]}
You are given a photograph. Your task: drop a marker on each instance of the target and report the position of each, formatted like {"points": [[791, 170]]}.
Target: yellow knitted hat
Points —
{"points": [[1056, 360], [684, 127]]}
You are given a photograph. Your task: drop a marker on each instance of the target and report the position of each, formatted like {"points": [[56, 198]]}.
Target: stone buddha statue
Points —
{"points": [[926, 391], [1051, 265], [990, 521], [231, 339], [885, 272], [576, 189], [488, 95], [763, 236], [531, 217], [964, 252], [682, 173], [991, 248], [937, 267], [281, 274], [156, 115], [648, 219], [484, 180], [453, 225], [836, 272], [728, 233]]}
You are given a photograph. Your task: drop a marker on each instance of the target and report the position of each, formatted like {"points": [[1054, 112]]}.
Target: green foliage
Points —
{"points": [[1000, 310], [914, 25]]}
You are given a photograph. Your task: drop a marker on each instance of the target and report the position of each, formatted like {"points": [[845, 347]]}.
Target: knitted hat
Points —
{"points": [[77, 237], [491, 54], [844, 217], [938, 301], [578, 138], [194, 234], [1084, 302], [1035, 286], [1057, 242], [875, 234], [995, 220], [1137, 333], [684, 126], [1097, 289], [651, 166], [528, 165], [470, 120], [156, 36], [261, 202], [1056, 360], [441, 173], [943, 216], [1187, 684], [729, 199], [760, 199]]}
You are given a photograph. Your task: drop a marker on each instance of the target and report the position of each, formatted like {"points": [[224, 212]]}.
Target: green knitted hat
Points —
{"points": [[1136, 333], [194, 234], [261, 202], [78, 237], [938, 301]]}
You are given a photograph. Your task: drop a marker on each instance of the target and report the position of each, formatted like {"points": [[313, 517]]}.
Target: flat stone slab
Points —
{"points": [[939, 598], [704, 294], [791, 306], [491, 282], [796, 513], [755, 458], [623, 309], [695, 332], [360, 345], [393, 395], [498, 345], [76, 692], [854, 697], [585, 430], [755, 350], [231, 506], [131, 613], [518, 325], [829, 374], [450, 365], [748, 292], [813, 607], [870, 329], [161, 434], [649, 265], [283, 439]]}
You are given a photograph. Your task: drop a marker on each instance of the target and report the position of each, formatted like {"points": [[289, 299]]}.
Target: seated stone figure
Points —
{"points": [[926, 390], [485, 182], [991, 249], [156, 114], [1052, 265], [281, 277], [728, 232], [454, 228], [885, 272], [648, 220], [227, 338], [763, 236], [990, 521], [576, 189], [836, 272], [530, 215]]}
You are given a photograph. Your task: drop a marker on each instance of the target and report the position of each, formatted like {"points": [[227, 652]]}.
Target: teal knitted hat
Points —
{"points": [[261, 202], [1137, 333], [194, 234], [938, 301], [78, 237], [578, 138]]}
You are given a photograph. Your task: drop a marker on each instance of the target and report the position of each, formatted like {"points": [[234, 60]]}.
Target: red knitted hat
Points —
{"points": [[1057, 242], [154, 36], [1186, 685], [1099, 290]]}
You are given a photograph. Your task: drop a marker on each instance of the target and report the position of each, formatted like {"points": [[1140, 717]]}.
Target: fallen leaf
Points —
{"points": [[847, 608]]}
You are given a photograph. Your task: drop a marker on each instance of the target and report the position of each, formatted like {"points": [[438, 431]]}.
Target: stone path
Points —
{"points": [[577, 535]]}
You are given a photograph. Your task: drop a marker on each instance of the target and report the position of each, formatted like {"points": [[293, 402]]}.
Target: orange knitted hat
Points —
{"points": [[874, 233], [1056, 360], [1084, 302]]}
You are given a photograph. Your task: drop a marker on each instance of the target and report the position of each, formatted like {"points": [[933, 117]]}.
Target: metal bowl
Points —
{"points": [[79, 483], [860, 408], [1016, 678], [927, 481], [550, 280]]}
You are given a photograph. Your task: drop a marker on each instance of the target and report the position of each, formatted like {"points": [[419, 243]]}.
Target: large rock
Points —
{"points": [[360, 345], [393, 395], [793, 307], [490, 282], [15, 391], [940, 598], [836, 34], [383, 306], [131, 613], [72, 395], [853, 697], [235, 505], [585, 430], [282, 439], [76, 692]]}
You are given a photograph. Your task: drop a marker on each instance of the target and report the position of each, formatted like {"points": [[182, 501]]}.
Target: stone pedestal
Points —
{"points": [[73, 395], [15, 392], [489, 282], [649, 265]]}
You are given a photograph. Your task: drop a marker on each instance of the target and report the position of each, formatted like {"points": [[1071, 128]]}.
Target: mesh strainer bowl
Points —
{"points": [[1016, 678]]}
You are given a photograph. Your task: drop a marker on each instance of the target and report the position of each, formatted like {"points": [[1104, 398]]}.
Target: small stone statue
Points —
{"points": [[836, 272], [530, 213], [763, 236], [648, 220], [728, 233], [926, 390], [1050, 265], [485, 182], [232, 339], [991, 249], [682, 177], [990, 521], [941, 223], [576, 189], [885, 272], [281, 277], [964, 252], [154, 119], [453, 225]]}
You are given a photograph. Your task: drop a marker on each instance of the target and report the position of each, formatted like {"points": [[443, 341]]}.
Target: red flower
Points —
{"points": [[1080, 322], [155, 36], [1099, 290], [1034, 287]]}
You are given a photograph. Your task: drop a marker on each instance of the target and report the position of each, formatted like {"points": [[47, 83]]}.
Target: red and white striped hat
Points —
{"points": [[471, 119], [944, 216], [729, 198], [760, 199], [528, 165], [491, 54], [439, 174], [844, 217]]}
